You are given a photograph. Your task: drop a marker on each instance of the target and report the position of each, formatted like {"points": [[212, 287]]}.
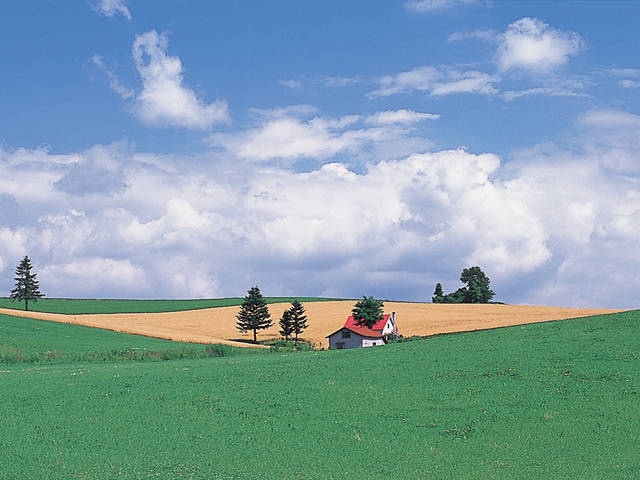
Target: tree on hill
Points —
{"points": [[286, 327], [438, 294], [254, 313], [298, 318], [476, 290], [478, 283], [27, 286], [368, 311]]}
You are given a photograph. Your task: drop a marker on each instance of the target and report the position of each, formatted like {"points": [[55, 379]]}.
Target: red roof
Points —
{"points": [[375, 331]]}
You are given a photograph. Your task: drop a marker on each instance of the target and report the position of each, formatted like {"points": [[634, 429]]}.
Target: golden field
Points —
{"points": [[217, 325]]}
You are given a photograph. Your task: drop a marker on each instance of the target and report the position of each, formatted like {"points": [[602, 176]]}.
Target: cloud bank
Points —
{"points": [[549, 226]]}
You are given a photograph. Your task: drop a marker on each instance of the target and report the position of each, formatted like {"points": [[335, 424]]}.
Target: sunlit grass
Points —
{"points": [[550, 400]]}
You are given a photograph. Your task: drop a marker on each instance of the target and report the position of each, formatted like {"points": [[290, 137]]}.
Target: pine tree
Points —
{"points": [[286, 327], [27, 287], [368, 311], [254, 314], [298, 318]]}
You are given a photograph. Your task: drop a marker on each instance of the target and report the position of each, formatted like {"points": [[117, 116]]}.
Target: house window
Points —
{"points": [[346, 334], [339, 345]]}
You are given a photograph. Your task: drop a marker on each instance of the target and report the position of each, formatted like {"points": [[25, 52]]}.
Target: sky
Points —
{"points": [[194, 149]]}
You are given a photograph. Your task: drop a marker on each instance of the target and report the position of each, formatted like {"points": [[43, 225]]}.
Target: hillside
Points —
{"points": [[217, 325]]}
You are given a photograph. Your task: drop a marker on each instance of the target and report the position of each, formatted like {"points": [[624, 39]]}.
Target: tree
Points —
{"points": [[254, 313], [298, 318], [286, 327], [478, 284], [27, 287], [476, 289], [438, 294], [368, 311]]}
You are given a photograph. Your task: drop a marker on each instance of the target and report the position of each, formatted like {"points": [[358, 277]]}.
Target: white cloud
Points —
{"points": [[614, 138], [436, 81], [630, 83], [292, 84], [288, 134], [87, 277], [485, 35], [399, 116], [549, 226], [116, 86], [531, 44], [164, 100], [111, 8], [430, 6], [551, 91]]}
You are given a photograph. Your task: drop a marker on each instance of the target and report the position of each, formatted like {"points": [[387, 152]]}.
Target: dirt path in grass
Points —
{"points": [[217, 325]]}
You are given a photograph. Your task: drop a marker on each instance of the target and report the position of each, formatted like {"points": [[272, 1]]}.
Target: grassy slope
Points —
{"points": [[23, 340], [81, 306], [551, 400]]}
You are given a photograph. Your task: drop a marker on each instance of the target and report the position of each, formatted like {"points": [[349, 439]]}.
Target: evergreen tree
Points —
{"points": [[368, 311], [254, 313], [286, 326], [298, 318], [27, 287]]}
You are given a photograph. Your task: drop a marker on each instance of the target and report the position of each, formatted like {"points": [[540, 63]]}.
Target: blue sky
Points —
{"points": [[194, 149]]}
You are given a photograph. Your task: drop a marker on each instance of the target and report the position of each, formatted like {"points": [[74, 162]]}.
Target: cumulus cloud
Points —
{"points": [[84, 277], [550, 226], [164, 100], [431, 6], [530, 44], [111, 8], [436, 81], [614, 137]]}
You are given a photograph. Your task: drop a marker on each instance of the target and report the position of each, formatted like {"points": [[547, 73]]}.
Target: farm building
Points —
{"points": [[353, 335]]}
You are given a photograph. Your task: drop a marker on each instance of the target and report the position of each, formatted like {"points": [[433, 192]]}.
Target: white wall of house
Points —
{"points": [[390, 326], [372, 342]]}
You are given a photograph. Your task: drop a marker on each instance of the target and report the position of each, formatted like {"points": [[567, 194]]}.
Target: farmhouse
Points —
{"points": [[353, 335]]}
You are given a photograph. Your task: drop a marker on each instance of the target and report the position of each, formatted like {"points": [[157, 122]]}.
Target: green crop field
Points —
{"points": [[81, 306], [551, 400]]}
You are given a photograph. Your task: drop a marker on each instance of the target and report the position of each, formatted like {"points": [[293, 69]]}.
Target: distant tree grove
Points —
{"points": [[476, 290]]}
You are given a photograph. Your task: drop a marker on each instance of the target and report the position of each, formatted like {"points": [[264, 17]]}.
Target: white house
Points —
{"points": [[353, 335]]}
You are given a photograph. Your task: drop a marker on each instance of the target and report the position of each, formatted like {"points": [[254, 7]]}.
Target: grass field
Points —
{"points": [[88, 306], [25, 340], [546, 400]]}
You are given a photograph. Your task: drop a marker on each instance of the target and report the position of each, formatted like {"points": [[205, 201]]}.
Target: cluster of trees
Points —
{"points": [[476, 290], [254, 315]]}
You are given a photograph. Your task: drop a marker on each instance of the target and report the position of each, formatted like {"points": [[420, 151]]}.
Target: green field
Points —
{"points": [[24, 340], [82, 306], [550, 400]]}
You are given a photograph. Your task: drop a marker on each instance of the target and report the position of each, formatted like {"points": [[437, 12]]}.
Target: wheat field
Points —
{"points": [[217, 325]]}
